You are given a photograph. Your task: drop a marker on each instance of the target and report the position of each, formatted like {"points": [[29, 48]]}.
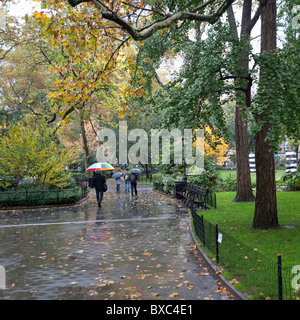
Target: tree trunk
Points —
{"points": [[244, 189], [265, 215], [85, 145]]}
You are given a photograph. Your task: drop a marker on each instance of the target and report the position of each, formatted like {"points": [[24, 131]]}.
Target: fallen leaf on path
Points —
{"points": [[174, 294]]}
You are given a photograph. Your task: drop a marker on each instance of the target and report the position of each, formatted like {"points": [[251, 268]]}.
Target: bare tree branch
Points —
{"points": [[170, 19]]}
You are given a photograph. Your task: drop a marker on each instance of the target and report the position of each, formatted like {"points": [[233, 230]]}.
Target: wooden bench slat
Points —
{"points": [[194, 194]]}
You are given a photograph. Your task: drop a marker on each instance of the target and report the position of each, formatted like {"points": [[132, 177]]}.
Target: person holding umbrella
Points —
{"points": [[134, 173], [99, 181], [118, 176], [127, 181], [133, 178]]}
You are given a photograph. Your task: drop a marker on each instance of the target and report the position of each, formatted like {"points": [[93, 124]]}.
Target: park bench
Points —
{"points": [[192, 194]]}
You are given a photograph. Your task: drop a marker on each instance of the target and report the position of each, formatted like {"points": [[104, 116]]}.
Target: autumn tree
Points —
{"points": [[84, 55], [162, 16], [28, 150], [25, 83], [80, 65], [215, 148], [129, 19], [142, 20]]}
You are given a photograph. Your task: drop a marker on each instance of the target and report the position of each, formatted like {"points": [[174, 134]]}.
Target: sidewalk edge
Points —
{"points": [[237, 295]]}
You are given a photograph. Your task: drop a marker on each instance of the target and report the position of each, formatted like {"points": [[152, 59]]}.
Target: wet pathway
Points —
{"points": [[136, 248]]}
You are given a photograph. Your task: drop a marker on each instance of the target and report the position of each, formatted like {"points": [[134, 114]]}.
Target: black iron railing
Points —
{"points": [[42, 197], [258, 275]]}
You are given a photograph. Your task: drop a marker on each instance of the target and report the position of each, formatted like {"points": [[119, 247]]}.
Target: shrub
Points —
{"points": [[168, 183], [292, 180], [205, 179]]}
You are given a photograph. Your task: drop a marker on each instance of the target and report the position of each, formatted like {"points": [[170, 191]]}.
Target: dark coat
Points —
{"points": [[132, 177], [98, 181]]}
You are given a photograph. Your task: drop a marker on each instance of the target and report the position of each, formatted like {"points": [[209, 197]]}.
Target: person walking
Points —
{"points": [[118, 181], [133, 179], [127, 181], [99, 181]]}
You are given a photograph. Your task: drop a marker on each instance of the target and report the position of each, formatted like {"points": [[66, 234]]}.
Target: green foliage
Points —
{"points": [[168, 183], [36, 196], [227, 184], [292, 180], [211, 76], [278, 94], [205, 179]]}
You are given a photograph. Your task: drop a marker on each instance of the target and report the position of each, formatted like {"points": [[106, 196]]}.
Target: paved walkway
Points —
{"points": [[131, 248]]}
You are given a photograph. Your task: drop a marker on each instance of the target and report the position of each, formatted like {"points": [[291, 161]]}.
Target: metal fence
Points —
{"points": [[42, 197], [209, 198], [260, 276]]}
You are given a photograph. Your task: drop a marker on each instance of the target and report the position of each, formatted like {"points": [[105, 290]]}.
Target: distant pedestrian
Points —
{"points": [[133, 180], [99, 183], [127, 181], [118, 181]]}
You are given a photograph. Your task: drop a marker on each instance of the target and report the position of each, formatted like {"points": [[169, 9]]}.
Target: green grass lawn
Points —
{"points": [[225, 174], [236, 219], [249, 256]]}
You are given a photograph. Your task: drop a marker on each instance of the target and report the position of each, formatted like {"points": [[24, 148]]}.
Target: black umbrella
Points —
{"points": [[117, 175], [136, 171]]}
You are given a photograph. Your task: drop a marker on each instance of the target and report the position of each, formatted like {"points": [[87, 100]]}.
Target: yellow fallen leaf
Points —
{"points": [[174, 294], [190, 286], [233, 281]]}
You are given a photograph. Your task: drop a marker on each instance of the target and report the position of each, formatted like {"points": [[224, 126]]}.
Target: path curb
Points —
{"points": [[237, 295]]}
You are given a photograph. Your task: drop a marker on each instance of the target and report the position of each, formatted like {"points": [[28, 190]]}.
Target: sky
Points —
{"points": [[18, 8], [22, 7]]}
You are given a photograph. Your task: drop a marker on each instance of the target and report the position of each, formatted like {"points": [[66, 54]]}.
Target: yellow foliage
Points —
{"points": [[89, 66], [30, 152], [215, 148]]}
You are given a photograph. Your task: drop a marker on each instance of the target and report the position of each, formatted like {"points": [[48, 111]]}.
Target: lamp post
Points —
{"points": [[184, 163]]}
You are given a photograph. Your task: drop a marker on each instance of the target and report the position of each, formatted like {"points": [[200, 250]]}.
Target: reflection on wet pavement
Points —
{"points": [[136, 248]]}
